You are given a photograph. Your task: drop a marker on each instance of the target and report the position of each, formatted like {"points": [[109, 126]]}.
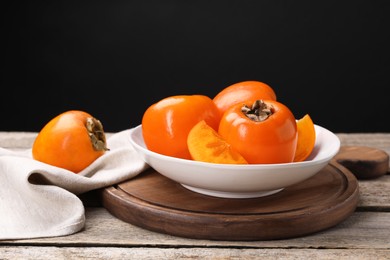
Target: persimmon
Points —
{"points": [[263, 131], [306, 138], [206, 145], [242, 92], [72, 140], [166, 123]]}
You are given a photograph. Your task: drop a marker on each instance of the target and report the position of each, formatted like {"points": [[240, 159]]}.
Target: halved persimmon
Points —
{"points": [[306, 138], [206, 145]]}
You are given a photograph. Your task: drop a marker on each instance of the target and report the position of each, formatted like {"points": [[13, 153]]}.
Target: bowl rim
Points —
{"points": [[142, 147]]}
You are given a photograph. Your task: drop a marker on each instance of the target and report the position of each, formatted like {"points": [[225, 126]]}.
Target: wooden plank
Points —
{"points": [[377, 140], [365, 232], [41, 252], [362, 230], [375, 194]]}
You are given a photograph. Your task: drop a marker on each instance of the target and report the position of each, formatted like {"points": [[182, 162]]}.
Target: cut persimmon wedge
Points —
{"points": [[306, 138], [206, 145]]}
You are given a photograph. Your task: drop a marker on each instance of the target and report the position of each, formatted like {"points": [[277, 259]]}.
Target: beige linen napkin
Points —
{"points": [[39, 200]]}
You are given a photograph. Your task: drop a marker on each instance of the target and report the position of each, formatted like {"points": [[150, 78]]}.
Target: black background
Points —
{"points": [[113, 59]]}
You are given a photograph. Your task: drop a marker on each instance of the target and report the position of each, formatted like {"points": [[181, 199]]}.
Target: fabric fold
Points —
{"points": [[40, 200]]}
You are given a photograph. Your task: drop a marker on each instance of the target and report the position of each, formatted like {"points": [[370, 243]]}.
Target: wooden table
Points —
{"points": [[364, 235]]}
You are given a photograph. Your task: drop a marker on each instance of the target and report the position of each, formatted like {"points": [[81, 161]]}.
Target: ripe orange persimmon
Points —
{"points": [[264, 131], [306, 138], [166, 124], [72, 140], [242, 92], [206, 145]]}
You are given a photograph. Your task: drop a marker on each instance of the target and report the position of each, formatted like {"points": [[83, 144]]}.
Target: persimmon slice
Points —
{"points": [[206, 145], [306, 138]]}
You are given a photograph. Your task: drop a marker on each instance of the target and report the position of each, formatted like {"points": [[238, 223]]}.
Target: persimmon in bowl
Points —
{"points": [[239, 180]]}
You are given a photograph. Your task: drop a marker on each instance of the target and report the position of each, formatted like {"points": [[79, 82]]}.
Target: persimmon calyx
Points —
{"points": [[96, 134], [259, 111]]}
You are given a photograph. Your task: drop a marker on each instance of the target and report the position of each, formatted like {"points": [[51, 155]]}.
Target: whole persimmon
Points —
{"points": [[263, 131], [72, 140], [241, 92], [166, 123]]}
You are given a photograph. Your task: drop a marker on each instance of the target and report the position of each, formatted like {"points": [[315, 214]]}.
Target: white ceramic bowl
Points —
{"points": [[239, 181]]}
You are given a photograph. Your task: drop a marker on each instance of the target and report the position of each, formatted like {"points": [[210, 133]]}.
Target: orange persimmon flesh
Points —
{"points": [[206, 145], [306, 138]]}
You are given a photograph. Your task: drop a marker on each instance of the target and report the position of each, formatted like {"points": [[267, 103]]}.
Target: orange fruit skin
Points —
{"points": [[166, 123], [271, 141], [241, 92], [206, 145], [64, 142], [306, 138]]}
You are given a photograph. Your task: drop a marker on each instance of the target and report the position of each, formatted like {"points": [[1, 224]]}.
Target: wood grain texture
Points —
{"points": [[318, 203], [42, 253], [375, 194], [362, 230], [363, 161], [363, 235], [313, 205]]}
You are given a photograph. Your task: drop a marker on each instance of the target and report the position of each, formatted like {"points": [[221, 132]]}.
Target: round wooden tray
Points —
{"points": [[156, 203]]}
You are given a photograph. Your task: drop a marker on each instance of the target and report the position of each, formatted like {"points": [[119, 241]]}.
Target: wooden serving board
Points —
{"points": [[156, 203]]}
